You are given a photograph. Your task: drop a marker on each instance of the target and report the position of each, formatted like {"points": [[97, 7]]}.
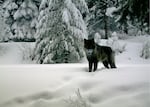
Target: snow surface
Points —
{"points": [[56, 85], [50, 85]]}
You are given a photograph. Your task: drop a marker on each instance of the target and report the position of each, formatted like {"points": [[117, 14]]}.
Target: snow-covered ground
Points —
{"points": [[15, 53], [60, 85]]}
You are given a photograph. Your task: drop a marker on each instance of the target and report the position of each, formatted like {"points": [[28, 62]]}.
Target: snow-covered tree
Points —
{"points": [[82, 6], [21, 17], [135, 12], [98, 19], [61, 30]]}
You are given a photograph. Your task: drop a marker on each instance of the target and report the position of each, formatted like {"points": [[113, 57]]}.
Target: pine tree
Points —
{"points": [[61, 30], [82, 6], [135, 12], [98, 18], [21, 17]]}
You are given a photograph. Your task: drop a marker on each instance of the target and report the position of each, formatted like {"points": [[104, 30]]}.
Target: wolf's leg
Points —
{"points": [[95, 65], [90, 66], [112, 65], [112, 61], [105, 63]]}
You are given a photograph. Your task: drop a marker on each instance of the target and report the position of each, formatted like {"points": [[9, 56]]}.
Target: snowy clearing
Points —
{"points": [[41, 39], [57, 85]]}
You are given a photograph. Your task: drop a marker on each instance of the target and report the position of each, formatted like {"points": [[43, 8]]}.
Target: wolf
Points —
{"points": [[96, 53]]}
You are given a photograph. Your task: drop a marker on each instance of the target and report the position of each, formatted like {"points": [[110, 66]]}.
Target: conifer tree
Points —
{"points": [[21, 17], [61, 30], [135, 12], [98, 18]]}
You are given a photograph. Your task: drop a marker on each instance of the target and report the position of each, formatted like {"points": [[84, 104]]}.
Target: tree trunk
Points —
{"points": [[106, 26], [125, 28], [117, 3], [106, 20]]}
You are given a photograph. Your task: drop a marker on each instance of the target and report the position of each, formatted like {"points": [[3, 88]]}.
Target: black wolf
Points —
{"points": [[96, 53]]}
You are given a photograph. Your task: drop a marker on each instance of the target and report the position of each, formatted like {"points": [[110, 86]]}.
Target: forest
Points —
{"points": [[57, 28]]}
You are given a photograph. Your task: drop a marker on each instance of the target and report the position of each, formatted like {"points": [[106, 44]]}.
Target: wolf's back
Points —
{"points": [[105, 49], [103, 52]]}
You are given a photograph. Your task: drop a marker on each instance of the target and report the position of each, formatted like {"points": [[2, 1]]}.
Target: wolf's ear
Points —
{"points": [[85, 40]]}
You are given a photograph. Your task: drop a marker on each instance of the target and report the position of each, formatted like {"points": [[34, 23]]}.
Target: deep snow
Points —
{"points": [[56, 85], [51, 85]]}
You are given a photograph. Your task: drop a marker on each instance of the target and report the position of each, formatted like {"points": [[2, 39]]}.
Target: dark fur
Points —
{"points": [[96, 53]]}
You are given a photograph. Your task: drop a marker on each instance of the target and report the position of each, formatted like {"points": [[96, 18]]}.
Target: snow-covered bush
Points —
{"points": [[145, 53], [122, 35], [113, 42], [78, 101]]}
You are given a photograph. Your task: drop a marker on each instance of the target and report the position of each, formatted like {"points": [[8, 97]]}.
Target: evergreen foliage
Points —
{"points": [[98, 18], [61, 30], [21, 18], [135, 12]]}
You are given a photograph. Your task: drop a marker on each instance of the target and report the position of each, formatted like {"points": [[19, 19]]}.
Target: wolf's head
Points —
{"points": [[89, 46]]}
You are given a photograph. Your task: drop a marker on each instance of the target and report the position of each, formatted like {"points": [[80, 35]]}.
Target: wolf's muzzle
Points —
{"points": [[89, 52]]}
